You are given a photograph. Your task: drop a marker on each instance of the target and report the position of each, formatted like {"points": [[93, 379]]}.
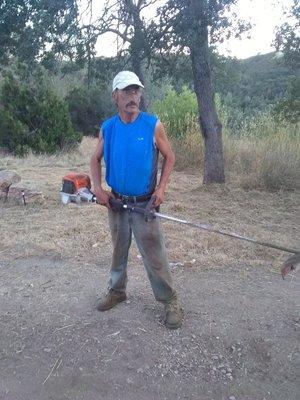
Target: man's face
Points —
{"points": [[128, 99]]}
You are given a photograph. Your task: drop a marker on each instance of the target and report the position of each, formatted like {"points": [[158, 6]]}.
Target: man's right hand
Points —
{"points": [[103, 197]]}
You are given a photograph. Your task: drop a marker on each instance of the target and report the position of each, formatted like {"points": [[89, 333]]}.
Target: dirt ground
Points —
{"points": [[240, 336]]}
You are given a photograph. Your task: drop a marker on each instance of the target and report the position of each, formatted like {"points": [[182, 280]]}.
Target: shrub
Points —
{"points": [[31, 114], [89, 106], [288, 109], [178, 111]]}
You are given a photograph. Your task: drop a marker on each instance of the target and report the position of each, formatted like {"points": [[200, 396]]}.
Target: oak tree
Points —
{"points": [[193, 26], [31, 29]]}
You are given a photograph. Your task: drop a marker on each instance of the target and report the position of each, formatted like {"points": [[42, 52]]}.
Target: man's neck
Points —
{"points": [[127, 118]]}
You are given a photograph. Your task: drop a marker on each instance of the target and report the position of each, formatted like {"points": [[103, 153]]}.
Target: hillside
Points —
{"points": [[264, 80], [253, 84]]}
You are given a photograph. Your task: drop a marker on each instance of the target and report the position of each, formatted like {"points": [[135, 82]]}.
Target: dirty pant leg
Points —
{"points": [[121, 239], [150, 242]]}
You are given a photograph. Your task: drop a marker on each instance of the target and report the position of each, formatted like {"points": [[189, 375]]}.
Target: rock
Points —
{"points": [[47, 350], [190, 263], [15, 195], [176, 265], [7, 178]]}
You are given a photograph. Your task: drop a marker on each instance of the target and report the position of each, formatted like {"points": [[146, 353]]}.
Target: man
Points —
{"points": [[130, 142]]}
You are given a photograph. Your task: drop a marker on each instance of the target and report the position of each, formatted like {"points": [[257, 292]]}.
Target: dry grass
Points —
{"points": [[268, 162], [189, 151], [271, 163], [81, 232]]}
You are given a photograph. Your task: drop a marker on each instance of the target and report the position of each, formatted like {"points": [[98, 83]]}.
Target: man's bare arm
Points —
{"points": [[163, 145], [95, 166]]}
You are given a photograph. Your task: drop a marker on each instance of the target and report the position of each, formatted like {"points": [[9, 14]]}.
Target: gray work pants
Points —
{"points": [[150, 242]]}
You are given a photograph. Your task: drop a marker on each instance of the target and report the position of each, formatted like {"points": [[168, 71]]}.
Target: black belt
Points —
{"points": [[131, 199]]}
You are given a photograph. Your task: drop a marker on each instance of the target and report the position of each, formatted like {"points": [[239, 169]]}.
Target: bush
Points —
{"points": [[32, 116], [288, 109], [89, 107], [177, 111], [11, 132]]}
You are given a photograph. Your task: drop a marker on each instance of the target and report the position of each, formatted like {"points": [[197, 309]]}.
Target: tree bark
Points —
{"points": [[210, 124], [137, 48], [137, 69]]}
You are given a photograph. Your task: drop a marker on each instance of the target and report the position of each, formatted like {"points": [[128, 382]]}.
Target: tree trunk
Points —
{"points": [[137, 46], [137, 69], [210, 125]]}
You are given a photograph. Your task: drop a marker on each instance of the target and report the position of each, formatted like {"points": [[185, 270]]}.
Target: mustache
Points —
{"points": [[132, 103]]}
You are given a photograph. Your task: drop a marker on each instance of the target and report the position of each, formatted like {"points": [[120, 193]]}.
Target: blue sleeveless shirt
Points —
{"points": [[130, 154]]}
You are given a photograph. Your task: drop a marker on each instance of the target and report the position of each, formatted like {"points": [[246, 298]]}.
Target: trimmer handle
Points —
{"points": [[148, 212], [116, 205]]}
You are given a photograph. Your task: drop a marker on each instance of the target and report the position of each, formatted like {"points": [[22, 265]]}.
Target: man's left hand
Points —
{"points": [[159, 194]]}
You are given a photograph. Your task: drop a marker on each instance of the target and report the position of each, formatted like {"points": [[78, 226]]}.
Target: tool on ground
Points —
{"points": [[76, 188]]}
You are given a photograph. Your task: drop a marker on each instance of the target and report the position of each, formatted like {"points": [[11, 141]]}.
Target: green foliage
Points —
{"points": [[31, 114], [103, 69], [177, 111], [288, 109], [12, 132], [27, 27], [247, 87], [261, 153], [89, 106], [175, 67], [181, 22], [255, 84], [227, 73], [259, 83], [287, 37]]}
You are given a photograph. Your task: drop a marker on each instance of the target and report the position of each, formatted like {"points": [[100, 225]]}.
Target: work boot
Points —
{"points": [[174, 315], [111, 299]]}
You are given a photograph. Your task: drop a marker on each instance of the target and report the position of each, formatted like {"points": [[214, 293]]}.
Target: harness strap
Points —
{"points": [[131, 199]]}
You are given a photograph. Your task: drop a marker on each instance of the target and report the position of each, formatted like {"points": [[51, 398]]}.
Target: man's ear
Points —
{"points": [[114, 96]]}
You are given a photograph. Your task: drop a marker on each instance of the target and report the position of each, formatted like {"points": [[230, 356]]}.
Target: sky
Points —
{"points": [[264, 16]]}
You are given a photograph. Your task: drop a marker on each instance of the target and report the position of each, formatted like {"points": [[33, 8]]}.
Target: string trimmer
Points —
{"points": [[76, 188]]}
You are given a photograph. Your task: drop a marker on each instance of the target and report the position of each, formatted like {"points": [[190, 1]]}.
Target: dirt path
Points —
{"points": [[239, 336], [241, 330]]}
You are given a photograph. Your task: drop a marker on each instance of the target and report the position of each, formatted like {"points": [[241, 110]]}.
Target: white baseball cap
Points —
{"points": [[124, 79]]}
